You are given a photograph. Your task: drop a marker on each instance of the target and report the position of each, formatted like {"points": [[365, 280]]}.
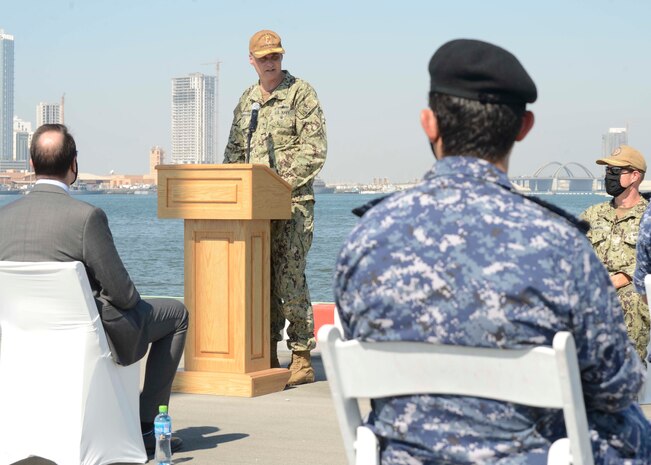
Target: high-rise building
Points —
{"points": [[193, 119], [48, 113], [156, 157], [21, 140], [6, 96], [613, 139]]}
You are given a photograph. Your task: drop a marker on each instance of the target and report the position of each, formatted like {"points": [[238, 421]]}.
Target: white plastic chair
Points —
{"points": [[62, 397], [539, 377]]}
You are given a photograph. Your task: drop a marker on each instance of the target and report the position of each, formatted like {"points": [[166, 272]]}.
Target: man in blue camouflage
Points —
{"points": [[463, 259], [643, 254]]}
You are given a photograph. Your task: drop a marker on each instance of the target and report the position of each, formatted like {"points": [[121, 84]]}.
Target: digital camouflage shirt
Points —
{"points": [[643, 252], [462, 259], [290, 137], [614, 241]]}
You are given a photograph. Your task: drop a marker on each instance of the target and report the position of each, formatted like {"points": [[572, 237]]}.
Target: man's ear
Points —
{"points": [[430, 124], [250, 58], [527, 124]]}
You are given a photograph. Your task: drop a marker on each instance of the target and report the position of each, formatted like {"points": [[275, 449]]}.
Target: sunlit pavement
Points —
{"points": [[294, 427]]}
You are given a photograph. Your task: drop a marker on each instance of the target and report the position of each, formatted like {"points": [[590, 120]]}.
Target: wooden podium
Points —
{"points": [[227, 211]]}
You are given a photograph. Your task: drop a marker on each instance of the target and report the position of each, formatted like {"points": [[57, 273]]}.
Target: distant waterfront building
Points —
{"points": [[193, 119], [21, 125], [6, 97], [22, 137], [48, 113], [156, 157], [613, 139]]}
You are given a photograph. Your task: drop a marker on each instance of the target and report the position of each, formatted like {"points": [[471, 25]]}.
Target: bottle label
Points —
{"points": [[162, 427]]}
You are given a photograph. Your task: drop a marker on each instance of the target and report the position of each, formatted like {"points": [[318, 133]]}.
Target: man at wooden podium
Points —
{"points": [[278, 122]]}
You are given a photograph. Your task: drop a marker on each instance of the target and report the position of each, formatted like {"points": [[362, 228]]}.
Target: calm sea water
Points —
{"points": [[152, 249]]}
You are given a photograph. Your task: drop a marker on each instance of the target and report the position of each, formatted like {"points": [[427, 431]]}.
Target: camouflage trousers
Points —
{"points": [[636, 317], [290, 298]]}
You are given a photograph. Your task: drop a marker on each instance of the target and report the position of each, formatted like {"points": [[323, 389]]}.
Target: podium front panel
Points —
{"points": [[227, 294]]}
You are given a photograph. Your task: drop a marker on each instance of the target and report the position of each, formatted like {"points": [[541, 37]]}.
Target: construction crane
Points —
{"points": [[216, 64]]}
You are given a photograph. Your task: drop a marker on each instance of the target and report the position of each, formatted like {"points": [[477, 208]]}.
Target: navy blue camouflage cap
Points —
{"points": [[481, 71]]}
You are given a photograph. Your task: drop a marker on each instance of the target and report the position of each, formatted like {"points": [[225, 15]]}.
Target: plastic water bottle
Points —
{"points": [[163, 433]]}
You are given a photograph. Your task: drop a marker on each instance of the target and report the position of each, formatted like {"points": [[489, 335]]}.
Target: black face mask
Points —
{"points": [[613, 184]]}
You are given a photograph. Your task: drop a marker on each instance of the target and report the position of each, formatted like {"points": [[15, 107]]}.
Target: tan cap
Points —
{"points": [[625, 155], [265, 42]]}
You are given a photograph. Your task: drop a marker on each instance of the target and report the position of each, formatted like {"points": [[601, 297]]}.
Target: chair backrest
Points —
{"points": [[59, 288], [58, 295], [55, 359], [539, 377]]}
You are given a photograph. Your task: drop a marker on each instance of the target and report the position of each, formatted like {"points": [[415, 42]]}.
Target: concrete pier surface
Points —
{"points": [[297, 426], [294, 426]]}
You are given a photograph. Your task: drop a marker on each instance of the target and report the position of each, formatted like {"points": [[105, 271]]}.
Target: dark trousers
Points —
{"points": [[163, 323]]}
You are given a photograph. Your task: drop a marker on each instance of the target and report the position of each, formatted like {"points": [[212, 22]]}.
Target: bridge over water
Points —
{"points": [[560, 177]]}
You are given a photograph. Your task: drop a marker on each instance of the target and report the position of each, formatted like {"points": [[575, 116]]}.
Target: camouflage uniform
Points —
{"points": [[461, 259], [291, 139], [614, 242]]}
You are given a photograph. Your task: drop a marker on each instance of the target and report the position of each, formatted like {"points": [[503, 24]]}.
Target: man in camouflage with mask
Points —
{"points": [[614, 227], [291, 139], [463, 259]]}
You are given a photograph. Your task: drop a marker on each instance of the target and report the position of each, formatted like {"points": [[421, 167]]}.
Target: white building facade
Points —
{"points": [[193, 119], [48, 113], [613, 139]]}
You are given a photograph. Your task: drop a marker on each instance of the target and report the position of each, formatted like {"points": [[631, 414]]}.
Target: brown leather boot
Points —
{"points": [[301, 368], [273, 355]]}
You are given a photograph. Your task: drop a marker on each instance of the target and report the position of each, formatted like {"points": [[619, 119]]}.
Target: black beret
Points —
{"points": [[481, 71]]}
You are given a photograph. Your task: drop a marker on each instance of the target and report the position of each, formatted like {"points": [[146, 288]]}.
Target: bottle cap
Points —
{"points": [[162, 409]]}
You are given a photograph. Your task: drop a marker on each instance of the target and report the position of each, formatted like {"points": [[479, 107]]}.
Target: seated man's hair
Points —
{"points": [[470, 127], [52, 160]]}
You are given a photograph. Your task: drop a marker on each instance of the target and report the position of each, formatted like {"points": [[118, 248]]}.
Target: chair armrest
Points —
{"points": [[367, 447], [559, 453]]}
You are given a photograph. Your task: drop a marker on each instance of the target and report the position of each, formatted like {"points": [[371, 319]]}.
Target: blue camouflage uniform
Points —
{"points": [[643, 252], [462, 259]]}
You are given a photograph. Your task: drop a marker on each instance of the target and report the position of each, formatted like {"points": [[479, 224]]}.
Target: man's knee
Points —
{"points": [[170, 309], [183, 315]]}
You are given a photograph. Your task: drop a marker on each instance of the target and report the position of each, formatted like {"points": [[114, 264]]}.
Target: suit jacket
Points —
{"points": [[50, 225]]}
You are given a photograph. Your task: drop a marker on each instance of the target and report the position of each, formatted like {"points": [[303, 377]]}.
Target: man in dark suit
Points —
{"points": [[49, 225]]}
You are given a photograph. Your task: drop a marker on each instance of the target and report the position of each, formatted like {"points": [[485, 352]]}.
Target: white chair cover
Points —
{"points": [[61, 395]]}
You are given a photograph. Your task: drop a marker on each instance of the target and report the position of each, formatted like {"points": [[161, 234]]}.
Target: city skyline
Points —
{"points": [[367, 62]]}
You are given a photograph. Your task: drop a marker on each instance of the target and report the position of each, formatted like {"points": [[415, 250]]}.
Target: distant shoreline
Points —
{"points": [[154, 192], [89, 192]]}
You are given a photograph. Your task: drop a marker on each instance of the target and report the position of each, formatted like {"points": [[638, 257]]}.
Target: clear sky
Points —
{"points": [[367, 61]]}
